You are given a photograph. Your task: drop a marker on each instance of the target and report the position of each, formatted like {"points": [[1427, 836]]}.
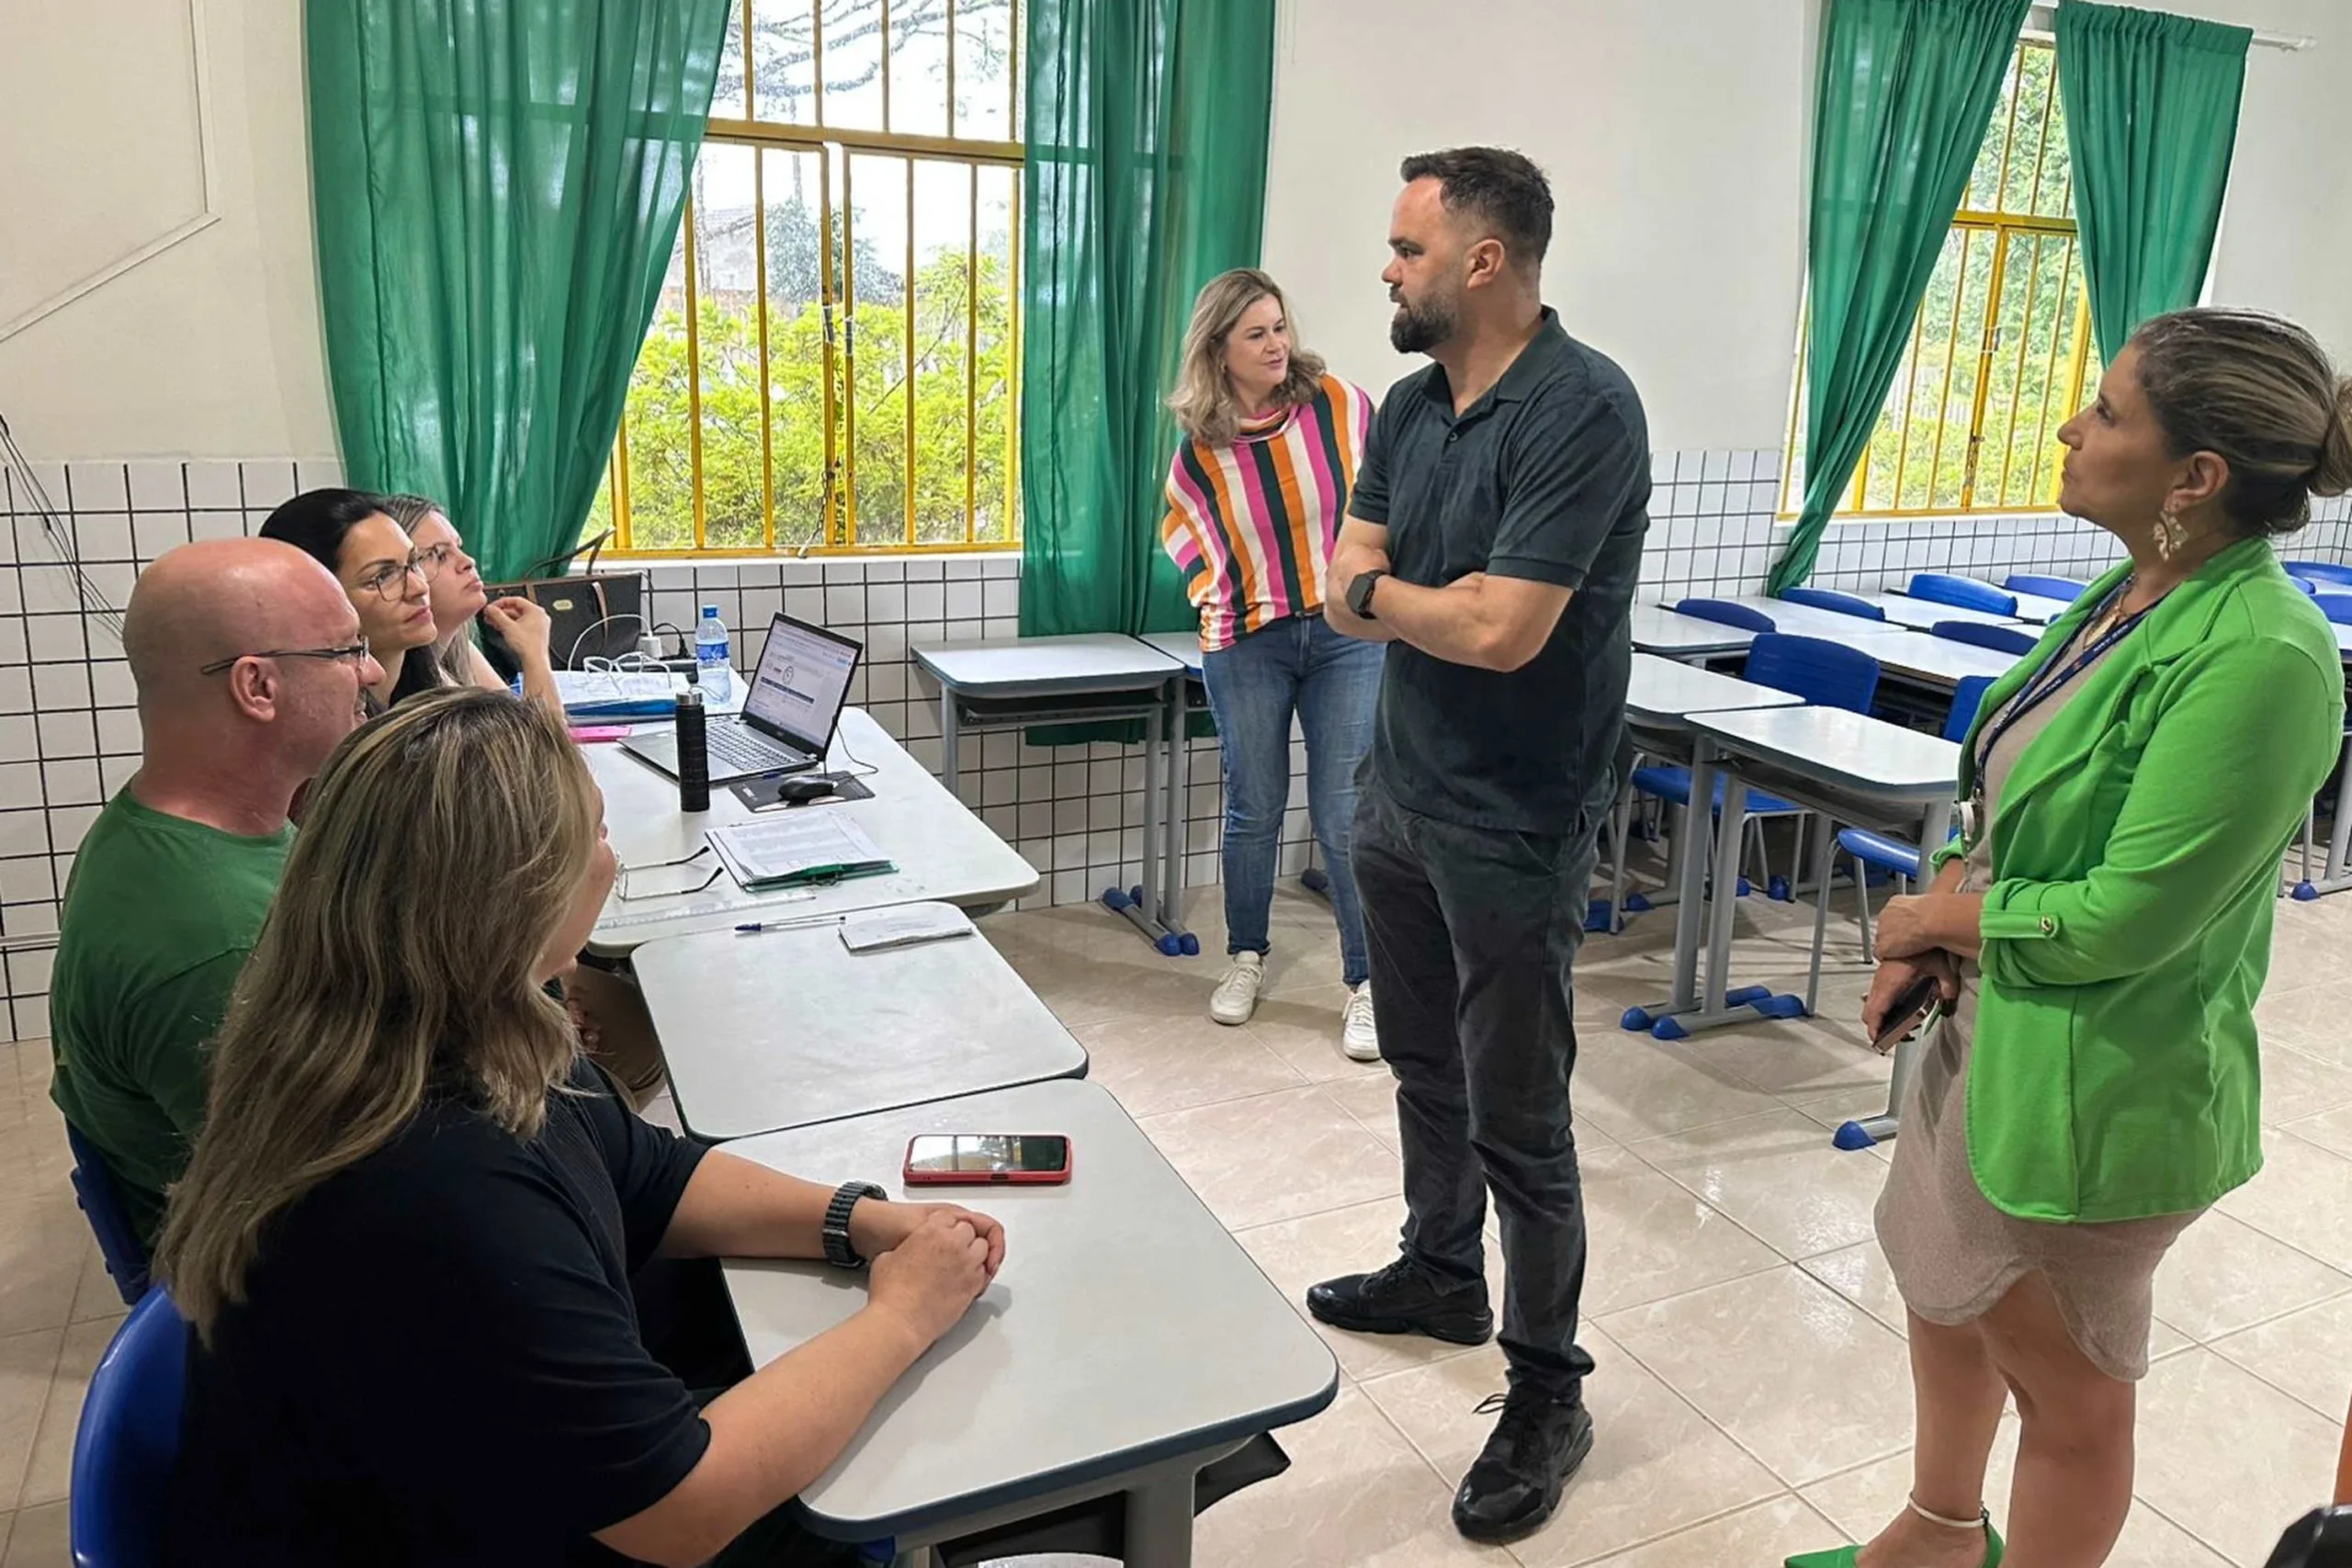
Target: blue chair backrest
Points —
{"points": [[129, 1439], [1966, 698], [2336, 608], [2325, 572], [2065, 588], [1745, 616], [2006, 639], [101, 1200], [1966, 592], [1824, 674], [2305, 584], [1830, 599]]}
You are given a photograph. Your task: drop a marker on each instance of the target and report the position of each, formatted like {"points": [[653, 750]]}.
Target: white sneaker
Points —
{"points": [[1237, 995], [1358, 1037]]}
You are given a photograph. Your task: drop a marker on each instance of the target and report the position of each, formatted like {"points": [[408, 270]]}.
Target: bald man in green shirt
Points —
{"points": [[249, 665]]}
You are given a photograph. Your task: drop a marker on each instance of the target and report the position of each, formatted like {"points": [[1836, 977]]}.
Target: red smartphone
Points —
{"points": [[983, 1159]]}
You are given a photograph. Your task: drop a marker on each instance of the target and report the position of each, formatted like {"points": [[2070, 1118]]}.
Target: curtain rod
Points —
{"points": [[2040, 22]]}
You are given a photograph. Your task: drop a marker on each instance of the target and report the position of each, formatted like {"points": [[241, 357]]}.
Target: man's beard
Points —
{"points": [[1417, 329]]}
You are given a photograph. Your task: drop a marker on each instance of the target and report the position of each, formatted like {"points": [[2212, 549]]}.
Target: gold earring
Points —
{"points": [[2170, 535]]}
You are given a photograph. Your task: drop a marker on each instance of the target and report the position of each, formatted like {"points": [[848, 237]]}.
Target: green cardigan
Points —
{"points": [[2135, 867]]}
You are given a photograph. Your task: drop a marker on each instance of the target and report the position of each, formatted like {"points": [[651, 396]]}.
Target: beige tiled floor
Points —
{"points": [[1751, 1399]]}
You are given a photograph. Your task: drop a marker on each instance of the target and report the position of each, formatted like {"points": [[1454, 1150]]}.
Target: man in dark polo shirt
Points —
{"points": [[1493, 540]]}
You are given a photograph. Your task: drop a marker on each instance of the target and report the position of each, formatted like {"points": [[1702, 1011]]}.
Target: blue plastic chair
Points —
{"points": [[2322, 571], [2336, 608], [1746, 617], [1830, 599], [1965, 592], [2002, 639], [101, 1200], [129, 1438], [1900, 856], [2065, 588], [1824, 674], [2307, 584]]}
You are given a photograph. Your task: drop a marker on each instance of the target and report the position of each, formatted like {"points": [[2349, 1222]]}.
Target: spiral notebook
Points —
{"points": [[799, 847]]}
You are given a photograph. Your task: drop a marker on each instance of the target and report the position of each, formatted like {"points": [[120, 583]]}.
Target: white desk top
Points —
{"points": [[2343, 639], [943, 851], [1920, 614], [1840, 748], [1040, 666], [1673, 635], [1938, 661], [1184, 648], [1805, 620], [1125, 1327], [2038, 610], [1665, 691], [769, 1030]]}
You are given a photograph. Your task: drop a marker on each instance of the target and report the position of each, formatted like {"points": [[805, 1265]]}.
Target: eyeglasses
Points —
{"points": [[625, 895], [389, 581], [352, 655]]}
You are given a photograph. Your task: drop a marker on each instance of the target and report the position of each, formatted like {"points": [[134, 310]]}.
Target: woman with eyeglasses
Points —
{"points": [[352, 533], [457, 596]]}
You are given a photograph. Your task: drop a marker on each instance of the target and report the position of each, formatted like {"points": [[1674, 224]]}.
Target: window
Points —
{"points": [[2001, 351], [833, 366]]}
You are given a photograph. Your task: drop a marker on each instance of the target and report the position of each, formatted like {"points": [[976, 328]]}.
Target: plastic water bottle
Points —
{"points": [[711, 654]]}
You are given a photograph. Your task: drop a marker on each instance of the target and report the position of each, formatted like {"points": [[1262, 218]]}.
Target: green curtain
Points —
{"points": [[1145, 177], [497, 187], [2152, 118], [1905, 92]]}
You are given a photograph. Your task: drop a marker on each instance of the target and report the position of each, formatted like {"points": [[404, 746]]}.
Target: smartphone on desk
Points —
{"points": [[983, 1159]]}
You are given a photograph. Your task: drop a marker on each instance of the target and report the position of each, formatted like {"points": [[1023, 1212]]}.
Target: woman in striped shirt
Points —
{"points": [[1255, 496]]}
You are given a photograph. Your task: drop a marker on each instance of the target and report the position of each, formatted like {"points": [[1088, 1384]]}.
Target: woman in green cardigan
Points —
{"points": [[2100, 930]]}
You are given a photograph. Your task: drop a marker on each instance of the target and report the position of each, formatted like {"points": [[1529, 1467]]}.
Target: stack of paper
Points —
{"points": [[802, 846]]}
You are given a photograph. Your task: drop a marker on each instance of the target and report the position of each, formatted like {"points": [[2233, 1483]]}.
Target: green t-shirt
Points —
{"points": [[159, 915]]}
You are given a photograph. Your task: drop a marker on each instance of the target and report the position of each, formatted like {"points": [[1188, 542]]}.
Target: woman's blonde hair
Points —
{"points": [[1204, 401], [443, 845], [452, 656]]}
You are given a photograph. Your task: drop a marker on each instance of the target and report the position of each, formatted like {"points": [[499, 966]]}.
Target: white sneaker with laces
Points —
{"points": [[1236, 996], [1358, 1037]]}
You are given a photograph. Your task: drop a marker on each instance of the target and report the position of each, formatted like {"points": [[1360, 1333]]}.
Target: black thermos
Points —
{"points": [[694, 752]]}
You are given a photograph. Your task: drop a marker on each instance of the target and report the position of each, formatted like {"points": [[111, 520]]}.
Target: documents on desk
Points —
{"points": [[801, 848], [904, 925]]}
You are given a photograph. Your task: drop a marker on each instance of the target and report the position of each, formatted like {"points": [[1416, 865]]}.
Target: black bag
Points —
{"points": [[590, 614], [2320, 1538]]}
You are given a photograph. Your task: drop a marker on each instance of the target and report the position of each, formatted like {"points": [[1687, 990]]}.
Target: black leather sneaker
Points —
{"points": [[1403, 1299], [1520, 1474]]}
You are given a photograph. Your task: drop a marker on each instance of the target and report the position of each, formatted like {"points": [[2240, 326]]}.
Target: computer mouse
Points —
{"points": [[800, 791]]}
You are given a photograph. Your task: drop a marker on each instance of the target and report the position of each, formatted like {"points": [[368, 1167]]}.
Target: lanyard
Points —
{"points": [[2045, 684]]}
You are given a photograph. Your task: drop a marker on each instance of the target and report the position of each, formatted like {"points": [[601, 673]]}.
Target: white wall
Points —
{"points": [[211, 347], [1675, 138]]}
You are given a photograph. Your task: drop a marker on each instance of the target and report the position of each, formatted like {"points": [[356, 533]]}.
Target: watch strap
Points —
{"points": [[838, 1251]]}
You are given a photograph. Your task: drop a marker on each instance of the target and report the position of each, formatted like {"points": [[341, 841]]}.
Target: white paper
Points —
{"points": [[777, 849], [903, 925]]}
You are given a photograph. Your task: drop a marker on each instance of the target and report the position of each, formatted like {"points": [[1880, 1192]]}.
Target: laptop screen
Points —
{"points": [[802, 682]]}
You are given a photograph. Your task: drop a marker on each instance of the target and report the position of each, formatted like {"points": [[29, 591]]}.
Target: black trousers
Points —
{"points": [[1473, 935]]}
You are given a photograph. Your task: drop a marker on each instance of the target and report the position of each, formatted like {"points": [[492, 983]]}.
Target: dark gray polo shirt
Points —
{"points": [[1547, 476]]}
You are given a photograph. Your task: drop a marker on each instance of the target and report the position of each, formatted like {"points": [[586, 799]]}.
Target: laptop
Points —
{"points": [[789, 712]]}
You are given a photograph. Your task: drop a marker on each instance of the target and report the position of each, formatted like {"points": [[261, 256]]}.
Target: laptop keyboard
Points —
{"points": [[736, 747]]}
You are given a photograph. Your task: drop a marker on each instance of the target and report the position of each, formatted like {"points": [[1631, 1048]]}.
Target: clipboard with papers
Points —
{"points": [[798, 848]]}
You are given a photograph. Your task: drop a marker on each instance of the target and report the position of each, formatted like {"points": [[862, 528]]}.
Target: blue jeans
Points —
{"points": [[1296, 665]]}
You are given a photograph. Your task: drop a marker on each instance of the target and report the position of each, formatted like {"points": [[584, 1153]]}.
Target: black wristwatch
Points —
{"points": [[838, 1251], [1360, 593]]}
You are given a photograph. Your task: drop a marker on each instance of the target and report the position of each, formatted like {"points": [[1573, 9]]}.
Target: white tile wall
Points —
{"points": [[69, 734]]}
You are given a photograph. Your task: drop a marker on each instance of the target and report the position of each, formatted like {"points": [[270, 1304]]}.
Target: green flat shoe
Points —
{"points": [[1844, 1556]]}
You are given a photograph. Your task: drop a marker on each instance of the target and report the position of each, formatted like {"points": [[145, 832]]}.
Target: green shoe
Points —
{"points": [[1844, 1556]]}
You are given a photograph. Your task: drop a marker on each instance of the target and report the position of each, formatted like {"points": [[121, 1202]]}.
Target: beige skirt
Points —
{"points": [[1955, 1255]]}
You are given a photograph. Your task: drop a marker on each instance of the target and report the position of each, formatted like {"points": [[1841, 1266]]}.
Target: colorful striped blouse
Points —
{"points": [[1250, 525]]}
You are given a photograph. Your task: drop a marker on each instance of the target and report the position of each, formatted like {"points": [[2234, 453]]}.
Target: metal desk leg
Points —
{"points": [[1170, 912], [1159, 1523], [947, 737], [1824, 860], [1140, 904], [1935, 827], [1720, 1002], [2338, 876], [1691, 907]]}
